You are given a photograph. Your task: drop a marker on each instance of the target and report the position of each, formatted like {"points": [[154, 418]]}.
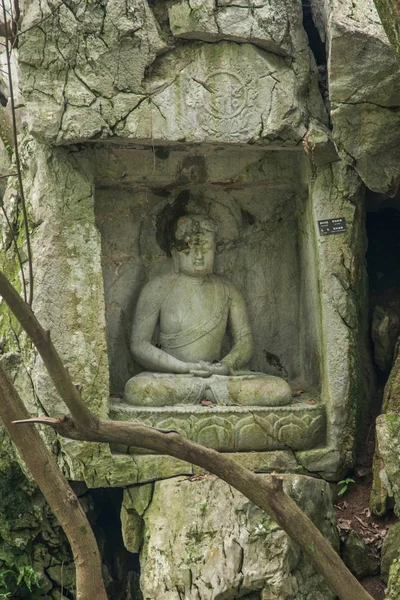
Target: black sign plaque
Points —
{"points": [[331, 226]]}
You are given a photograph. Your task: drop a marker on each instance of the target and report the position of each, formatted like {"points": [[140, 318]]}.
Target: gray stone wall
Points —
{"points": [[147, 99]]}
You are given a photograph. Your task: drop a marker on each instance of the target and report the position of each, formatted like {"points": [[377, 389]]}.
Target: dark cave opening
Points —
{"points": [[121, 568], [314, 39], [383, 265]]}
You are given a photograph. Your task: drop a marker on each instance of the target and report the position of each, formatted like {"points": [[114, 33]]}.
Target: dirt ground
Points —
{"points": [[353, 514]]}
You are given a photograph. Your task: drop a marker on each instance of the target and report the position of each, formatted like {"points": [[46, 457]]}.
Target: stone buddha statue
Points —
{"points": [[191, 309]]}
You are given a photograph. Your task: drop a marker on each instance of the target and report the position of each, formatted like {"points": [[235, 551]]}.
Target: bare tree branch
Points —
{"points": [[268, 495], [51, 359], [58, 493]]}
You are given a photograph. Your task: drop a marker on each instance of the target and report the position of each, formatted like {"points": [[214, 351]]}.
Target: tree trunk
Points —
{"points": [[58, 493], [389, 13]]}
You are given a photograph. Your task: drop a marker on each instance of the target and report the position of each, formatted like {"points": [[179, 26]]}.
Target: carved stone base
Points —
{"points": [[233, 428]]}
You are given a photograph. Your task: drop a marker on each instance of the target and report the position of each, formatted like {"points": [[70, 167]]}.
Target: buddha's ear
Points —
{"points": [[175, 259]]}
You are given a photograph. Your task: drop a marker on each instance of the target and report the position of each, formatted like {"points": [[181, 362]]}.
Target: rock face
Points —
{"points": [[390, 550], [386, 485], [279, 32], [126, 104], [364, 90], [385, 331], [203, 540], [356, 556], [91, 56], [96, 86]]}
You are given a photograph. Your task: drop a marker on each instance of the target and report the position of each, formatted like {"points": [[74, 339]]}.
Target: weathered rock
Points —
{"points": [[63, 575], [257, 22], [386, 484], [343, 290], [364, 90], [135, 502], [225, 92], [96, 87], [381, 489], [393, 589], [391, 396], [357, 557], [202, 539], [80, 57], [386, 465], [390, 550], [385, 330]]}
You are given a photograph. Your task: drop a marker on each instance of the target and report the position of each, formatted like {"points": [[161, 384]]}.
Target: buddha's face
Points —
{"points": [[197, 259]]}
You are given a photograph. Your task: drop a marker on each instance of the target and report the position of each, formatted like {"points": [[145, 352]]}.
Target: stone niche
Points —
{"points": [[265, 245], [303, 292]]}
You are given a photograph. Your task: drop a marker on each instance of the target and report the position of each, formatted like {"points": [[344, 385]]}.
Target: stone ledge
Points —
{"points": [[122, 470], [234, 428]]}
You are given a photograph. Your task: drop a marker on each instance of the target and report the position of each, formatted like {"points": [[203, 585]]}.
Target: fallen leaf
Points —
{"points": [[197, 477], [362, 472], [344, 524], [206, 402]]}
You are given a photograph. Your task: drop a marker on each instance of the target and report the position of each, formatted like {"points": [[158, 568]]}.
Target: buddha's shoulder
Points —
{"points": [[158, 284], [225, 283]]}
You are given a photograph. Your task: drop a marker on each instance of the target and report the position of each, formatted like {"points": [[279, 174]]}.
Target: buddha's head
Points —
{"points": [[194, 245]]}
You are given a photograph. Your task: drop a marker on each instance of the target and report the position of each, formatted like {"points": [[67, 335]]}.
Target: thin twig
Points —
{"points": [[40, 420], [14, 239], [17, 160]]}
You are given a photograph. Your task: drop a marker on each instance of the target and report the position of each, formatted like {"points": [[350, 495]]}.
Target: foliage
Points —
{"points": [[17, 578], [344, 483]]}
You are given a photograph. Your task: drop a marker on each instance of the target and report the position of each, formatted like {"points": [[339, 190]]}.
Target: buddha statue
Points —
{"points": [[191, 309]]}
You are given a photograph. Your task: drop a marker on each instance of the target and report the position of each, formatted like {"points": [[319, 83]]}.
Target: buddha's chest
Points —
{"points": [[187, 307]]}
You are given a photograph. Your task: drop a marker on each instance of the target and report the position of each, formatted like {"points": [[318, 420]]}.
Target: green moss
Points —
{"points": [[393, 590], [10, 329], [389, 13], [379, 496], [195, 16], [5, 133], [15, 489]]}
